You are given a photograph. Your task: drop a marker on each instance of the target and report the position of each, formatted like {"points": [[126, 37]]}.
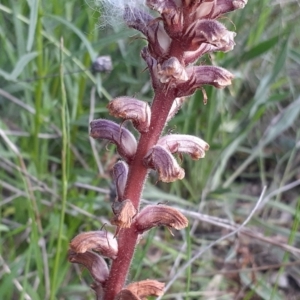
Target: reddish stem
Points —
{"points": [[127, 238]]}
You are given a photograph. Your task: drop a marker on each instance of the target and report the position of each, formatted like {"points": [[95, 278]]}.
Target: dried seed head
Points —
{"points": [[172, 70], [99, 241], [209, 32], [120, 136], [161, 160], [133, 109], [146, 288], [124, 213], [158, 215], [120, 173], [181, 143], [93, 262]]}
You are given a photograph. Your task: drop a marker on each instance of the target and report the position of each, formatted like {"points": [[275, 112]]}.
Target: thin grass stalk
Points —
{"points": [[65, 157]]}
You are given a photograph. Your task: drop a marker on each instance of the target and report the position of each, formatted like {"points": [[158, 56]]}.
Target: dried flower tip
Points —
{"points": [[99, 241], [159, 41], [124, 213], [93, 262], [120, 173], [181, 143], [177, 104], [225, 6], [146, 288], [209, 32], [160, 215], [133, 109], [161, 160], [172, 69], [127, 295], [120, 136], [102, 64]]}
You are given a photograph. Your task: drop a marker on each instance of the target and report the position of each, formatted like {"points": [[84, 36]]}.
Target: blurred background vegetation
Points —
{"points": [[55, 182]]}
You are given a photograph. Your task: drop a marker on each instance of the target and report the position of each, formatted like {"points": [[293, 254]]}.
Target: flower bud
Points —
{"points": [[124, 213], [161, 160], [93, 262], [152, 65], [99, 241], [102, 64], [209, 32], [120, 136], [159, 41], [146, 288], [172, 69], [182, 143], [158, 215], [171, 15], [133, 109], [200, 75], [120, 173]]}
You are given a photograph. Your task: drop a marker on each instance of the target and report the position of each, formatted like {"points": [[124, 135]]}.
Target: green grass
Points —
{"points": [[49, 171]]}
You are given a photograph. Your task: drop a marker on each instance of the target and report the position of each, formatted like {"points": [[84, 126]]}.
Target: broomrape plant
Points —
{"points": [[184, 31]]}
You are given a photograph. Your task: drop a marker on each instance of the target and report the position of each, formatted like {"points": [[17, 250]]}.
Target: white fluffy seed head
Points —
{"points": [[112, 10]]}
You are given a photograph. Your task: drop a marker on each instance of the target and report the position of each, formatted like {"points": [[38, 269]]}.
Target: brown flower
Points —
{"points": [[99, 241], [158, 215]]}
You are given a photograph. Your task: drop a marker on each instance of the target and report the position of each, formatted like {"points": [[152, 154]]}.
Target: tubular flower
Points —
{"points": [[120, 173], [93, 262], [158, 215], [181, 143], [99, 241], [129, 108], [120, 136], [161, 160]]}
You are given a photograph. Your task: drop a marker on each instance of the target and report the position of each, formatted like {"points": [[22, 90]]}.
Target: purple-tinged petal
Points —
{"points": [[172, 70], [120, 136], [181, 143], [159, 215], [209, 32], [93, 262], [133, 109], [201, 75], [159, 41], [161, 160], [120, 173]]}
